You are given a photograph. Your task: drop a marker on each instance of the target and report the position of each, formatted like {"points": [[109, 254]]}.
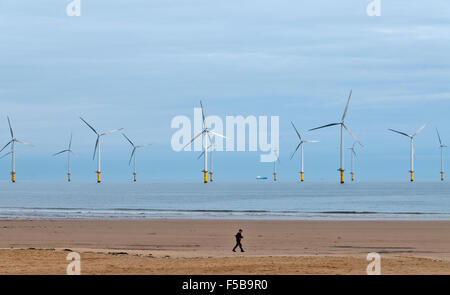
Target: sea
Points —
{"points": [[313, 200]]}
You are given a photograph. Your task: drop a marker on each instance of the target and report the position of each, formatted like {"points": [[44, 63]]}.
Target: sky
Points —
{"points": [[138, 64]]}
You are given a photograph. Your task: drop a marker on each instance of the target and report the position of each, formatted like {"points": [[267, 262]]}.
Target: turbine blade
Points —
{"points": [[203, 115], [60, 152], [70, 142], [311, 141], [192, 140], [141, 146], [216, 134], [296, 149], [440, 141], [346, 107], [6, 146], [420, 129], [111, 131], [89, 125], [10, 128], [131, 158], [324, 126], [23, 142], [296, 131], [354, 137], [8, 153], [128, 139], [96, 145], [399, 132], [209, 137], [201, 155]]}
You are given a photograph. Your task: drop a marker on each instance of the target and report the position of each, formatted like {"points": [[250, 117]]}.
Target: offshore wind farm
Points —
{"points": [[207, 136]]}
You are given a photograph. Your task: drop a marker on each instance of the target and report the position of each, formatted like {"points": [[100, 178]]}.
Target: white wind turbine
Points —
{"points": [[133, 154], [353, 155], [300, 145], [68, 151], [97, 146], [13, 152], [441, 146], [206, 134], [343, 126], [412, 151]]}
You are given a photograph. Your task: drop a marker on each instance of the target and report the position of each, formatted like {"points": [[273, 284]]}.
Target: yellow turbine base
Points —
{"points": [[68, 177], [301, 176], [342, 176], [98, 177], [205, 176], [274, 177], [412, 175], [442, 176], [134, 176], [13, 176], [210, 176], [353, 176]]}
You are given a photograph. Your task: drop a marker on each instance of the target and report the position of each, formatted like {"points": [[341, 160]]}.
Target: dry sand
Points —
{"points": [[204, 246]]}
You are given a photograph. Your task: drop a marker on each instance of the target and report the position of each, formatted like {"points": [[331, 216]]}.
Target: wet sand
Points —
{"points": [[204, 246]]}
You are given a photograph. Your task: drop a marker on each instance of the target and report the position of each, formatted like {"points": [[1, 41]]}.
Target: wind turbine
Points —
{"points": [[300, 145], [210, 149], [68, 151], [343, 126], [97, 146], [412, 153], [353, 155], [206, 134], [133, 154], [13, 152], [275, 165], [441, 146]]}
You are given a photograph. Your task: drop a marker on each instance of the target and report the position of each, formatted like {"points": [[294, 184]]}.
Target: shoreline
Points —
{"points": [[188, 246]]}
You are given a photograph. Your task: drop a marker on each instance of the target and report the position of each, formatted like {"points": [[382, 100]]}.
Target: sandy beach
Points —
{"points": [[204, 246]]}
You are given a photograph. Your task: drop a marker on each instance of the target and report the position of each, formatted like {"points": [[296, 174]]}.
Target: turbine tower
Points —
{"points": [[275, 165], [97, 146], [441, 146], [206, 132], [211, 163], [300, 145], [68, 151], [12, 142], [343, 126], [353, 155], [210, 149], [412, 151], [133, 154]]}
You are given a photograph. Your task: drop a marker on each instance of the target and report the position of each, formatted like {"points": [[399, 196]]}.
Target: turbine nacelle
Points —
{"points": [[68, 150], [135, 147], [301, 141], [99, 135]]}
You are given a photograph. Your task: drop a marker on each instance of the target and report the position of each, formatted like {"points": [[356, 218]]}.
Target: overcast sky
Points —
{"points": [[137, 64]]}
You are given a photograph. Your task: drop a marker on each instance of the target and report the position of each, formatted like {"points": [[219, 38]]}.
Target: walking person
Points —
{"points": [[239, 237]]}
